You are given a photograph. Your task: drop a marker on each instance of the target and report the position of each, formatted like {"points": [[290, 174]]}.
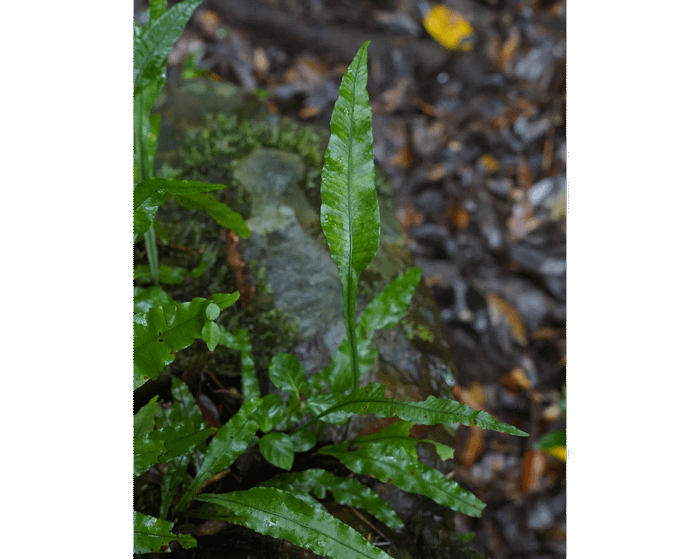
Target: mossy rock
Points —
{"points": [[272, 168]]}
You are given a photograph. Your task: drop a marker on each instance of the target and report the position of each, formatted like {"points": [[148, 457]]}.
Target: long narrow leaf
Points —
{"points": [[174, 187], [395, 465], [398, 434], [223, 214], [184, 407], [349, 209], [149, 194], [240, 341], [279, 514], [229, 443], [183, 410], [370, 399], [387, 308], [147, 453], [144, 419], [346, 491], [151, 47]]}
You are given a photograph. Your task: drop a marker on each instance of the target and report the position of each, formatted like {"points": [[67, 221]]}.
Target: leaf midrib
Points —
{"points": [[293, 521], [338, 407], [397, 468], [350, 283]]}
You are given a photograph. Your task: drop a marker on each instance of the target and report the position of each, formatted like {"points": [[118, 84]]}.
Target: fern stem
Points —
{"points": [[352, 336]]}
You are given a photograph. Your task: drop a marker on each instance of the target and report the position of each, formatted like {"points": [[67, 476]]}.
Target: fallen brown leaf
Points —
{"points": [[533, 469], [239, 268]]}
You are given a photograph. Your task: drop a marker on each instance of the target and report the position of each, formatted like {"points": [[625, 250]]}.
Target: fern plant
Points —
{"points": [[297, 418], [152, 43]]}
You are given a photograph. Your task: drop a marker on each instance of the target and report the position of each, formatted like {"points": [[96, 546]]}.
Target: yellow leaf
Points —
{"points": [[448, 28], [557, 451]]}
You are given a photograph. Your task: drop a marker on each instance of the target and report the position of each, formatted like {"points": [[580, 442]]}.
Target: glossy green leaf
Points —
{"points": [[152, 46], [557, 438], [147, 297], [387, 308], [149, 194], [145, 217], [153, 534], [303, 440], [240, 341], [287, 373], [146, 128], [395, 465], [144, 419], [222, 213], [279, 514], [212, 311], [173, 478], [225, 300], [349, 209], [278, 450], [211, 334], [177, 438], [444, 452], [327, 407], [228, 444], [183, 410], [157, 9], [433, 411], [269, 413], [346, 491], [161, 332], [398, 434], [384, 311], [147, 453], [167, 188]]}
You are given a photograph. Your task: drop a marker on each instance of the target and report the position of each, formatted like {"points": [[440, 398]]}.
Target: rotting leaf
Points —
{"points": [[239, 268], [532, 470], [502, 312]]}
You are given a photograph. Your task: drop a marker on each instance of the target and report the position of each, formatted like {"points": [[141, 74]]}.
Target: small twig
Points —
{"points": [[372, 526]]}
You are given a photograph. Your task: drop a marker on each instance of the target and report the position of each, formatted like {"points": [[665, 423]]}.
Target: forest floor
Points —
{"points": [[475, 145]]}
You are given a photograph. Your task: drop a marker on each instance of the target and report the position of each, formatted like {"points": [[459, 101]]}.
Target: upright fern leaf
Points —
{"points": [[349, 209]]}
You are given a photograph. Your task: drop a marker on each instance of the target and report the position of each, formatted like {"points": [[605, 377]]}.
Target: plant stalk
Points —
{"points": [[352, 334]]}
